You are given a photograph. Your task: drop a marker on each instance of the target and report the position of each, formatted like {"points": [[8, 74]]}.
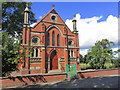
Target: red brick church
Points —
{"points": [[51, 43]]}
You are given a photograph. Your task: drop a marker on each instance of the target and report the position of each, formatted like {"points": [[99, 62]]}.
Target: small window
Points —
{"points": [[37, 52], [71, 53], [70, 42], [32, 53], [35, 40], [53, 17]]}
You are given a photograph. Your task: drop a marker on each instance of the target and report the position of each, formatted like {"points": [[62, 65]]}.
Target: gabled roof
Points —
{"points": [[51, 11]]}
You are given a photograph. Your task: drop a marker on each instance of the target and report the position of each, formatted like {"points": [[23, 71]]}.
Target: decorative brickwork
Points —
{"points": [[48, 42]]}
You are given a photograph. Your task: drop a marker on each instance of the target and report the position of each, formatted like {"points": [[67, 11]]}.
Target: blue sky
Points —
{"points": [[95, 20], [67, 9]]}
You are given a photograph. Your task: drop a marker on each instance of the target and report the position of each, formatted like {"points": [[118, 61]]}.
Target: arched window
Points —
{"points": [[53, 38], [32, 53], [48, 39], [43, 38], [71, 53], [37, 52], [58, 40]]}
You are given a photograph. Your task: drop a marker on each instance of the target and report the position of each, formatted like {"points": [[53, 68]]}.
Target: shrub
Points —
{"points": [[116, 63], [109, 65], [88, 66], [85, 66]]}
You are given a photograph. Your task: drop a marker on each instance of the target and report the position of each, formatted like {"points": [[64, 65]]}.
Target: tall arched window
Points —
{"points": [[37, 52], [69, 54], [32, 53], [48, 39], [72, 53], [58, 40], [53, 38]]}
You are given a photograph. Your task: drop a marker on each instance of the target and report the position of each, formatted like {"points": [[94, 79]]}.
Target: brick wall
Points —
{"points": [[34, 79]]}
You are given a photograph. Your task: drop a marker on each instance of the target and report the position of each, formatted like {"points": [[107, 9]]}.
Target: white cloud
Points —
{"points": [[115, 49], [40, 17], [91, 31], [83, 51], [32, 24]]}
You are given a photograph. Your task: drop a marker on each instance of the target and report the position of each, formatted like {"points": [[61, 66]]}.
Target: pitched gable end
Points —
{"points": [[53, 11]]}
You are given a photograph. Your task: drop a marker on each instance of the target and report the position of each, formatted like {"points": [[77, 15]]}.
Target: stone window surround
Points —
{"points": [[38, 42], [34, 56], [72, 43], [54, 16]]}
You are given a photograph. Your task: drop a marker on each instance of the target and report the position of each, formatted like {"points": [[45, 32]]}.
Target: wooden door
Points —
{"points": [[55, 62]]}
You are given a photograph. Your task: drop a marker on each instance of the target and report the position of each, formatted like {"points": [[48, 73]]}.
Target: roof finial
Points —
{"points": [[26, 9], [27, 5], [53, 6]]}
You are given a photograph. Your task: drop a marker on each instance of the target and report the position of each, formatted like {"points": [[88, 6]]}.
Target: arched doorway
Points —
{"points": [[53, 60]]}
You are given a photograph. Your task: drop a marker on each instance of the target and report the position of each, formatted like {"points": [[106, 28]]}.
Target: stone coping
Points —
{"points": [[97, 70], [52, 74], [33, 75]]}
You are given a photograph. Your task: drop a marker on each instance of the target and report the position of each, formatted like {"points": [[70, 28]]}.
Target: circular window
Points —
{"points": [[34, 39], [53, 17], [70, 42]]}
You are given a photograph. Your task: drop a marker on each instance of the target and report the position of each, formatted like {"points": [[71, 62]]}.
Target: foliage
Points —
{"points": [[10, 53], [13, 16], [100, 53], [12, 22], [109, 65], [116, 62], [84, 59], [84, 66], [81, 59]]}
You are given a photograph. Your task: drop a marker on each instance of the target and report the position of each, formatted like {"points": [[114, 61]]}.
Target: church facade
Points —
{"points": [[51, 43]]}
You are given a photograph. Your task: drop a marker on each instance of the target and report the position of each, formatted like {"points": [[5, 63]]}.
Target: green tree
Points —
{"points": [[13, 17], [81, 59], [116, 61], [10, 53], [100, 53], [12, 22]]}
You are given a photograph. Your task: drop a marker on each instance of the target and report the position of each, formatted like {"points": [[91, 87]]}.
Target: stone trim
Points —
{"points": [[53, 23], [33, 32], [68, 36], [69, 47], [62, 47]]}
